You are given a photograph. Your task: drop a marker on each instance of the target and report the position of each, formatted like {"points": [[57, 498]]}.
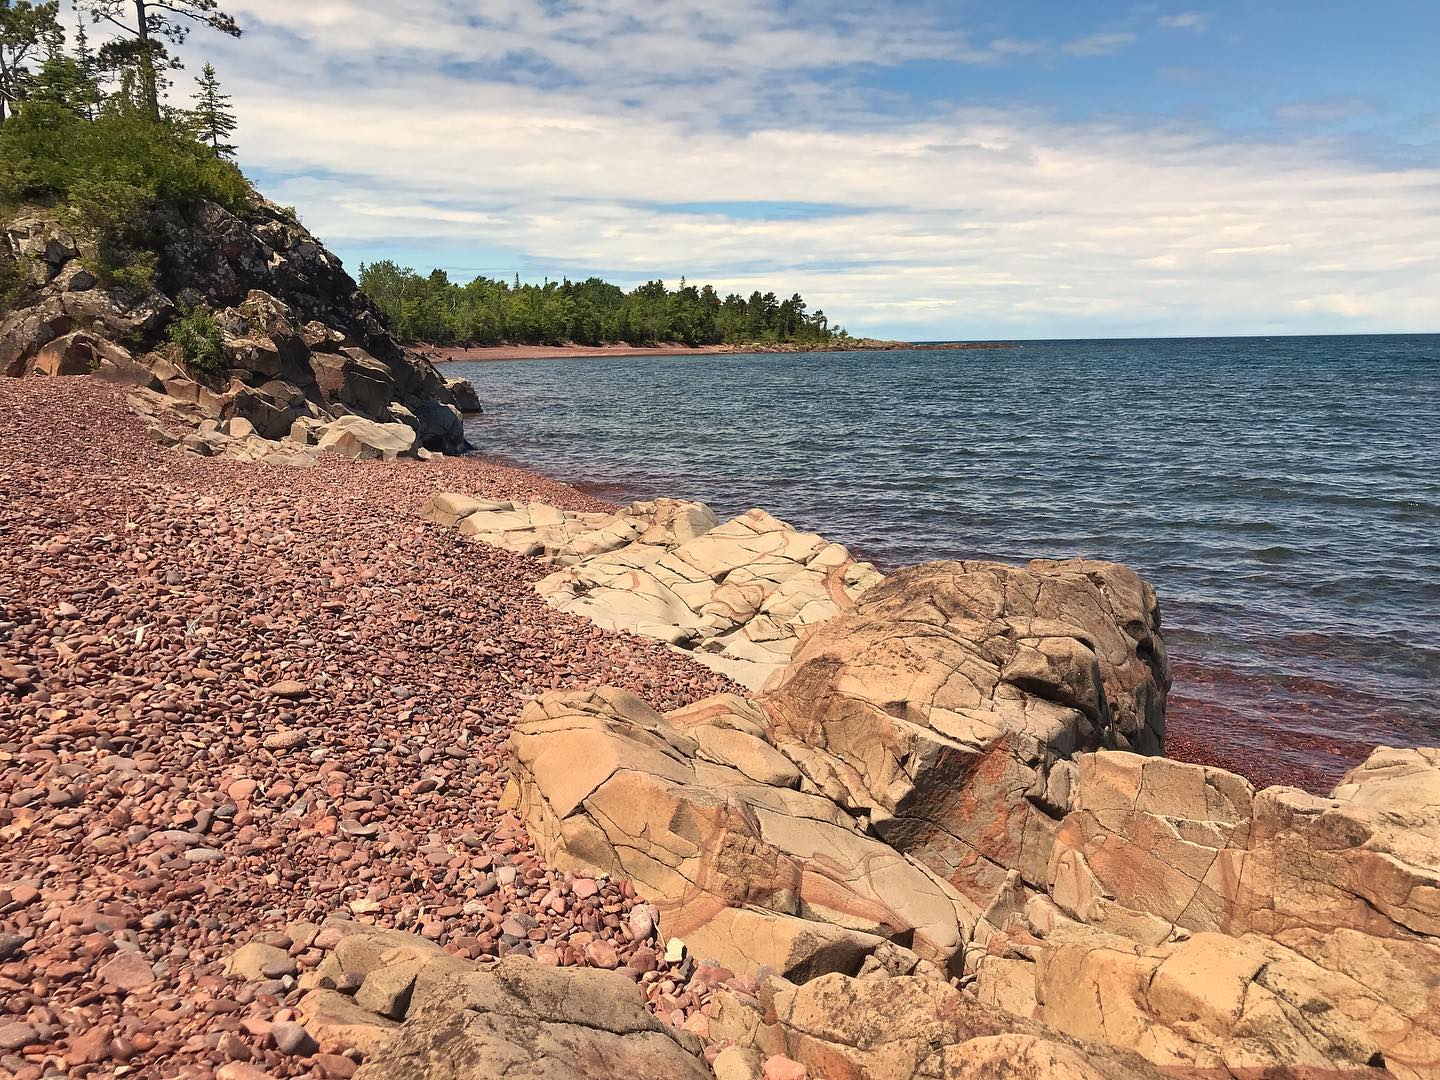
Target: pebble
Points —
{"points": [[14, 1035], [126, 970], [292, 1038], [180, 751], [779, 1067]]}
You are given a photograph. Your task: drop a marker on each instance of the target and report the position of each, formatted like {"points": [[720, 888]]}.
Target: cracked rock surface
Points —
{"points": [[963, 734], [739, 595]]}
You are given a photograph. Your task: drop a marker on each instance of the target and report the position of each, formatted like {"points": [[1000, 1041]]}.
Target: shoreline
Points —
{"points": [[451, 354], [353, 674]]}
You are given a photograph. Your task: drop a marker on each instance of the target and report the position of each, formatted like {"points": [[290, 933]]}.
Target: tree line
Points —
{"points": [[492, 311], [87, 132]]}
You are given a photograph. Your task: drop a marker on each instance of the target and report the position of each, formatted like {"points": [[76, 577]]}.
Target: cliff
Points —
{"points": [[247, 318]]}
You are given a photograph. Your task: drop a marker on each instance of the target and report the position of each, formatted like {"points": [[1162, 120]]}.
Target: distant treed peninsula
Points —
{"points": [[490, 311]]}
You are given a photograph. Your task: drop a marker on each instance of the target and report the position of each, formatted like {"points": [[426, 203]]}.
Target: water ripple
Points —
{"points": [[1283, 494]]}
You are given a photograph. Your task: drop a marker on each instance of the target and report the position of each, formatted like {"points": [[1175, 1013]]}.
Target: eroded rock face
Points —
{"points": [[518, 1019], [300, 340], [945, 705], [1207, 925], [904, 1028], [950, 737], [415, 1012], [707, 822], [739, 595]]}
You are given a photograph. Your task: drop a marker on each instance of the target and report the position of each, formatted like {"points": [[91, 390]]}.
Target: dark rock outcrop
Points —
{"points": [[299, 338]]}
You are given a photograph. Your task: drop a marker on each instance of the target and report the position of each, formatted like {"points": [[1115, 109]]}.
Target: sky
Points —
{"points": [[918, 170]]}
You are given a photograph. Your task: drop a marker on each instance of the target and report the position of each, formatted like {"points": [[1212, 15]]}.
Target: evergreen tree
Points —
{"points": [[62, 81], [26, 28], [144, 48], [214, 122], [89, 68], [493, 311]]}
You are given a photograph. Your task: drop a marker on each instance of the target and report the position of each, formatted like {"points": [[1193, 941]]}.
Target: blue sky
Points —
{"points": [[922, 170]]}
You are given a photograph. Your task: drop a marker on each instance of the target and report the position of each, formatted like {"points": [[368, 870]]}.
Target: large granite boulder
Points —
{"points": [[961, 733], [709, 825], [520, 1020], [356, 437], [1207, 925], [420, 1013], [946, 704]]}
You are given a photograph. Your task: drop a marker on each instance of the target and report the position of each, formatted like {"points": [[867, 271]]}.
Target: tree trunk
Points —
{"points": [[148, 81]]}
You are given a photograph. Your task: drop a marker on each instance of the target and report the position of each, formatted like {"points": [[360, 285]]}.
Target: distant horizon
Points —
{"points": [[1100, 170], [1177, 337]]}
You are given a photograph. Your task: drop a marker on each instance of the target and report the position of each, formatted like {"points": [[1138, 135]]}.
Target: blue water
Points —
{"points": [[1283, 494]]}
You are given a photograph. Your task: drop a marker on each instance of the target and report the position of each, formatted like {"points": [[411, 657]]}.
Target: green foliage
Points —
{"points": [[111, 214], [107, 176], [490, 311], [213, 119], [26, 29], [64, 81], [14, 284], [200, 340], [148, 28]]}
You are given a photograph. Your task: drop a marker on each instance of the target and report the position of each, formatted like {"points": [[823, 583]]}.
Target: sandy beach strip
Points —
{"points": [[480, 354]]}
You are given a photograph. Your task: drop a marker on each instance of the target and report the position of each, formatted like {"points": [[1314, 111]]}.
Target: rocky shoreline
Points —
{"points": [[255, 711], [325, 753]]}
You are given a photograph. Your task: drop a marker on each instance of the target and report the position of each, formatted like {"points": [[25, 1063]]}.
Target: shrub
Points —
{"points": [[113, 216], [48, 150], [108, 176], [200, 340], [14, 284]]}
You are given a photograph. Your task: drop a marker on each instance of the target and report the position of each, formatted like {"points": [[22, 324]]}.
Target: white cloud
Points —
{"points": [[561, 134], [1103, 44], [1195, 21]]}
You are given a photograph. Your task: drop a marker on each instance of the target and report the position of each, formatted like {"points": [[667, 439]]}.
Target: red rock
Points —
{"points": [[601, 954], [779, 1067], [335, 1065], [241, 790], [292, 1038], [14, 1035], [239, 1070], [127, 971], [89, 1046]]}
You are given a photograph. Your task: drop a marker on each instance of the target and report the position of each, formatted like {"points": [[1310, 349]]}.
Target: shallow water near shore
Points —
{"points": [[1283, 494]]}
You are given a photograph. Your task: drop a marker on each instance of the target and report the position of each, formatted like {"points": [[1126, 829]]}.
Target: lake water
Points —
{"points": [[1283, 494]]}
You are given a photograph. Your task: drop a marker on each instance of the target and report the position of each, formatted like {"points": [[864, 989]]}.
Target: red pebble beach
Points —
{"points": [[237, 695]]}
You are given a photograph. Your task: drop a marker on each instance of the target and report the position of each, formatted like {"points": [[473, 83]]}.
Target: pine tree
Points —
{"points": [[143, 46], [213, 120], [89, 67], [62, 80], [25, 29]]}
